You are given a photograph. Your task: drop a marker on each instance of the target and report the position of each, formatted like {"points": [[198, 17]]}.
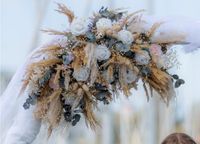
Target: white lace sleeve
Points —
{"points": [[17, 125], [24, 129]]}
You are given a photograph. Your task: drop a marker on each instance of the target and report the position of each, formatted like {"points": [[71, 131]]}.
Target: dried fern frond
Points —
{"points": [[54, 114], [146, 90], [89, 114], [28, 75], [154, 28], [49, 49], [161, 83], [63, 9], [54, 32], [45, 63], [42, 105]]}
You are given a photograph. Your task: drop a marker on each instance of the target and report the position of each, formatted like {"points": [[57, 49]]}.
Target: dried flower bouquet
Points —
{"points": [[95, 60]]}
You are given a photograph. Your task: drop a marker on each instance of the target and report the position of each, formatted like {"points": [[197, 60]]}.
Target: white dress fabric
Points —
{"points": [[18, 126]]}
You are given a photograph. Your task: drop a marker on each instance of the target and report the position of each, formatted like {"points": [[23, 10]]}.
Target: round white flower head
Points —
{"points": [[142, 58], [103, 24], [81, 74], [125, 36], [102, 52], [79, 27]]}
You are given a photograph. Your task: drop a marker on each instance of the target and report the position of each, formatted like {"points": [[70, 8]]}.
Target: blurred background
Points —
{"points": [[125, 121]]}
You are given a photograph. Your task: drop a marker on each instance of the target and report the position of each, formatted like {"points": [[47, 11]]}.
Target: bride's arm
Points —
{"points": [[25, 126], [24, 129]]}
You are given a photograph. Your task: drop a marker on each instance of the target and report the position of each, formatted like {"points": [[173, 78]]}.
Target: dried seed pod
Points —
{"points": [[176, 77], [76, 117], [67, 116], [182, 81], [74, 123], [26, 105], [179, 82]]}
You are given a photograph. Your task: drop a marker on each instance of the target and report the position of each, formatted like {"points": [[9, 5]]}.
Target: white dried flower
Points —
{"points": [[81, 74], [160, 62], [79, 27], [103, 24], [130, 76], [102, 52], [142, 58], [125, 36]]}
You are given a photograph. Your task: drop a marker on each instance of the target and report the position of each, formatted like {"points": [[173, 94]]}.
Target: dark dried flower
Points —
{"points": [[67, 108], [67, 116], [129, 54], [62, 81], [99, 86], [102, 95], [82, 104], [146, 71]]}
